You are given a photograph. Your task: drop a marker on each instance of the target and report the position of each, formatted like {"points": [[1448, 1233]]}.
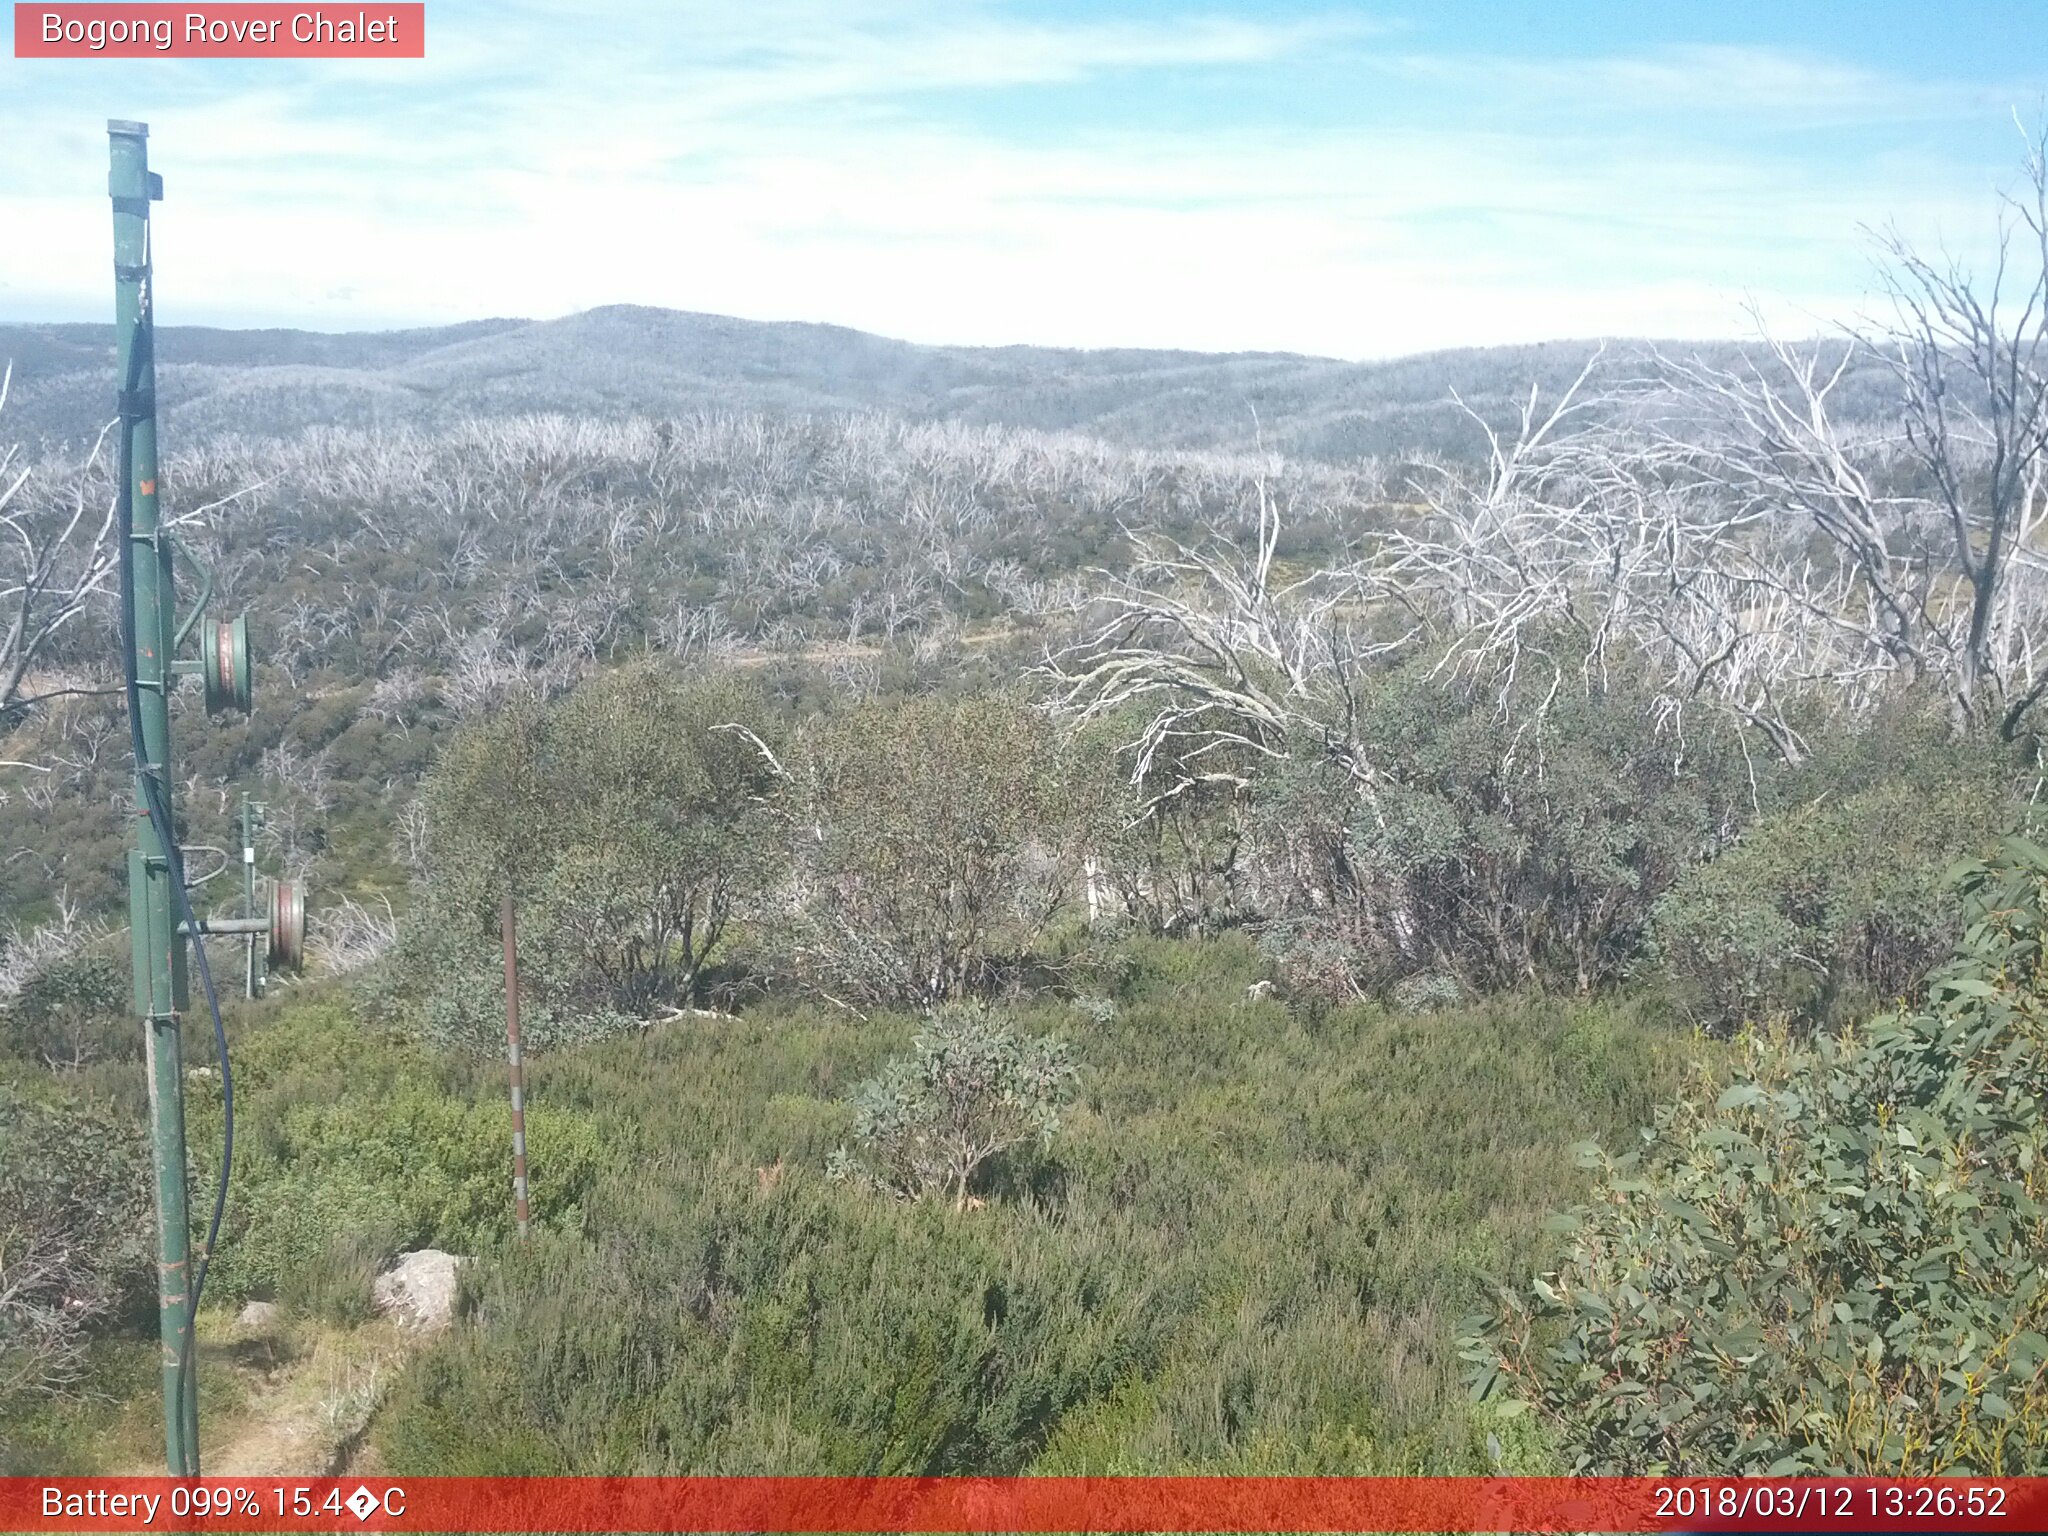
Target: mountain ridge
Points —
{"points": [[640, 360]]}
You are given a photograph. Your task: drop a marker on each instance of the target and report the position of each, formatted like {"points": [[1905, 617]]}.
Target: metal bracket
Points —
{"points": [[205, 571], [185, 852], [283, 926]]}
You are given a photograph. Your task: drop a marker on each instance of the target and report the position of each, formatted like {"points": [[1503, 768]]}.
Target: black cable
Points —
{"points": [[160, 820]]}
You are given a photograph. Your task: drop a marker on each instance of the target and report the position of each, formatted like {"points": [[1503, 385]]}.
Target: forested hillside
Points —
{"points": [[625, 361], [1078, 912]]}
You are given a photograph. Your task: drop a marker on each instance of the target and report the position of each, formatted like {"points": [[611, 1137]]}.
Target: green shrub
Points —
{"points": [[632, 820], [72, 1010], [973, 1088], [1496, 854], [77, 1231], [1249, 1253], [938, 840], [1426, 992], [444, 984], [352, 1146], [337, 1285], [1833, 1264], [1824, 909], [719, 1327], [1175, 869]]}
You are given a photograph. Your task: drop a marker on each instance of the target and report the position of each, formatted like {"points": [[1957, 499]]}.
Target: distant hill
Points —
{"points": [[670, 362]]}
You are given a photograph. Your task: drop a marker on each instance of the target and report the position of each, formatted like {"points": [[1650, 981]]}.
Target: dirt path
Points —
{"points": [[300, 1396], [312, 1417]]}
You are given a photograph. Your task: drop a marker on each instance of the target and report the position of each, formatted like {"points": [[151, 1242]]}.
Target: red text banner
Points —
{"points": [[1022, 1504], [218, 31]]}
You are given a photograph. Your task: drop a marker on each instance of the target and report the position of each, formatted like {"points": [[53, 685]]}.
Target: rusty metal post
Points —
{"points": [[508, 931]]}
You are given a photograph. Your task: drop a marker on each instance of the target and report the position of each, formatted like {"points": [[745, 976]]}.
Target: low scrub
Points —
{"points": [[1834, 1263], [1245, 1250], [77, 1231], [351, 1148]]}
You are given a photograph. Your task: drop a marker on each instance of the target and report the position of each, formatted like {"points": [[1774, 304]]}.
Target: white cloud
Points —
{"points": [[1717, 81], [801, 162]]}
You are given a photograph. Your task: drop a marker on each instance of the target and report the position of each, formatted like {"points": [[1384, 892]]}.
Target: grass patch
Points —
{"points": [[1249, 1250]]}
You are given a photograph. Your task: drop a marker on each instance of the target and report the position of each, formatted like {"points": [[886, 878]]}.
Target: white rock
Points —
{"points": [[257, 1316], [420, 1289]]}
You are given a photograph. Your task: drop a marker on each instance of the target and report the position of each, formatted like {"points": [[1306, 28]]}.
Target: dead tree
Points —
{"points": [[57, 556], [1931, 527], [1225, 663], [1971, 357]]}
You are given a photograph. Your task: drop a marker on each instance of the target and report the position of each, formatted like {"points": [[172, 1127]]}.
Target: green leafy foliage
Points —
{"points": [[72, 1010], [795, 1330], [349, 1150], [944, 835], [1244, 1251], [972, 1088], [1537, 860], [76, 1231], [1265, 1200], [1833, 1263], [628, 820], [1837, 902], [1168, 849]]}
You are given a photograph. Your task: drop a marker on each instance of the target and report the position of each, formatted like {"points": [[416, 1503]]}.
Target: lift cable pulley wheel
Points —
{"points": [[287, 951], [224, 654]]}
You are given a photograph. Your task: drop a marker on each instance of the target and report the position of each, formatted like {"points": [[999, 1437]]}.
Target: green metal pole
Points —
{"points": [[159, 948]]}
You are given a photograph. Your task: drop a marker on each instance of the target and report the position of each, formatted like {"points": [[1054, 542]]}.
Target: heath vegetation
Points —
{"points": [[1071, 942]]}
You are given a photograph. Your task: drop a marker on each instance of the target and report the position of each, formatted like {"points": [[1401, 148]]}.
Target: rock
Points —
{"points": [[257, 1316], [420, 1289]]}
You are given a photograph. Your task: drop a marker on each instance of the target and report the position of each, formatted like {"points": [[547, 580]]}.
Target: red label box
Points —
{"points": [[1764, 1506], [355, 29]]}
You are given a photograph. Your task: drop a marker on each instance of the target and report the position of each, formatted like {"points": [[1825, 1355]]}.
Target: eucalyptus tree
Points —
{"points": [[938, 840], [631, 820]]}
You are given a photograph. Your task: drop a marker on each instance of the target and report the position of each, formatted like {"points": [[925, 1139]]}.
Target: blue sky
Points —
{"points": [[1354, 180]]}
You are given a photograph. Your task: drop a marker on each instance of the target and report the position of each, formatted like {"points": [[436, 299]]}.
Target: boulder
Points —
{"points": [[420, 1289], [257, 1316]]}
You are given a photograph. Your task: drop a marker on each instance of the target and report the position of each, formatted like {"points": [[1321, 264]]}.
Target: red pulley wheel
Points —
{"points": [[287, 926], [224, 661]]}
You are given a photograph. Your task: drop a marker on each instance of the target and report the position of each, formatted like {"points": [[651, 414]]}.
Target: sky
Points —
{"points": [[1357, 180]]}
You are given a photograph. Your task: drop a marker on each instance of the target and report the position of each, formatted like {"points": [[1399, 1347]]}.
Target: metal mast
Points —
{"points": [[161, 918], [159, 948]]}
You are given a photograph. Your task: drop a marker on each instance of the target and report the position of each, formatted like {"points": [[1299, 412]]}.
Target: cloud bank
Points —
{"points": [[1340, 183]]}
